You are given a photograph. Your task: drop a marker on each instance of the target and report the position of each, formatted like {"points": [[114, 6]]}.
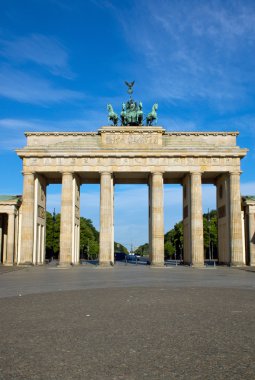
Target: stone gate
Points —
{"points": [[132, 154]]}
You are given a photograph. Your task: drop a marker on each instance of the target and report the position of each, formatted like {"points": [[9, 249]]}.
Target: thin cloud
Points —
{"points": [[191, 51], [17, 124], [39, 49], [26, 88], [92, 121]]}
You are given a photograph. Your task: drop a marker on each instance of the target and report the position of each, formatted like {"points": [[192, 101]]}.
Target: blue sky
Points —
{"points": [[62, 61]]}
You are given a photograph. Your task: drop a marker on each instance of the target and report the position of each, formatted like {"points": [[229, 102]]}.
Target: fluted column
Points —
{"points": [[65, 254], [10, 239], [157, 219], [149, 226], [27, 227], [236, 242], [251, 241], [106, 220], [197, 242], [76, 221], [1, 234]]}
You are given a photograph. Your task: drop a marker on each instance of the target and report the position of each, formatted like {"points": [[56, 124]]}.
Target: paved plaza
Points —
{"points": [[128, 322]]}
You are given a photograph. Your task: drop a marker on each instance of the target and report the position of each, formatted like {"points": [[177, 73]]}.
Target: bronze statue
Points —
{"points": [[132, 113], [112, 116], [152, 115]]}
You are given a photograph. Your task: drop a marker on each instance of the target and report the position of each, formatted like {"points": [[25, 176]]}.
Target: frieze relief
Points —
{"points": [[130, 161], [131, 139]]}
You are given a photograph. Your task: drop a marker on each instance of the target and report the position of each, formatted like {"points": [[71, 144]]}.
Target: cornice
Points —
{"points": [[172, 133], [132, 130], [60, 134], [203, 154]]}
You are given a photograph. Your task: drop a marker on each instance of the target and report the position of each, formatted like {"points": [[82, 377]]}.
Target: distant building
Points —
{"points": [[10, 223], [248, 207]]}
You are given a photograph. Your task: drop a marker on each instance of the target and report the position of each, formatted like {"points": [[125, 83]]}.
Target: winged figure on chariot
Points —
{"points": [[132, 112]]}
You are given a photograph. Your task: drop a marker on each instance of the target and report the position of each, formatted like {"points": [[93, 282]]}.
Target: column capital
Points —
{"points": [[106, 172], [157, 173], [27, 173], [238, 172], [67, 173], [196, 172]]}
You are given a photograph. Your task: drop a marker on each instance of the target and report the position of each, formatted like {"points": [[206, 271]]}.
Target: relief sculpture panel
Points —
{"points": [[131, 139], [75, 163]]}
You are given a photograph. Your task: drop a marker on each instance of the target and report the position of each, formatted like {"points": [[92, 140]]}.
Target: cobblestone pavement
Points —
{"points": [[128, 322], [8, 269]]}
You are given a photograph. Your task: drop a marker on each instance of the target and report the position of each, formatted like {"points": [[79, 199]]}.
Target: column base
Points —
{"points": [[26, 264], [157, 265], [198, 265], [106, 264], [238, 265], [8, 264], [64, 265]]}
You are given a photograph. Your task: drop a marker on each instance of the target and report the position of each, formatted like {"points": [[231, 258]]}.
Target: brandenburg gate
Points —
{"points": [[132, 154]]}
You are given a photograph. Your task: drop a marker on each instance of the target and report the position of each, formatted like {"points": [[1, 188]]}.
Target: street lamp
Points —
{"points": [[53, 232], [209, 234]]}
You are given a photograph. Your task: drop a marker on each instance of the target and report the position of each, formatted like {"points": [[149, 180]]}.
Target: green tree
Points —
{"points": [[173, 239], [118, 247], [169, 250], [52, 235], [142, 250], [210, 234], [89, 238]]}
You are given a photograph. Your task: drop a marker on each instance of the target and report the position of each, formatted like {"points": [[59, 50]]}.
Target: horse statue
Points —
{"points": [[140, 114], [123, 114], [152, 115], [112, 116]]}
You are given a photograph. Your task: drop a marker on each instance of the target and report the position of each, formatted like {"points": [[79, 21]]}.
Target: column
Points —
{"points": [[196, 221], [27, 227], [4, 237], [149, 226], [251, 242], [66, 230], [1, 236], [223, 219], [236, 242], [106, 220], [16, 229], [157, 219], [76, 221], [10, 239], [186, 220]]}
